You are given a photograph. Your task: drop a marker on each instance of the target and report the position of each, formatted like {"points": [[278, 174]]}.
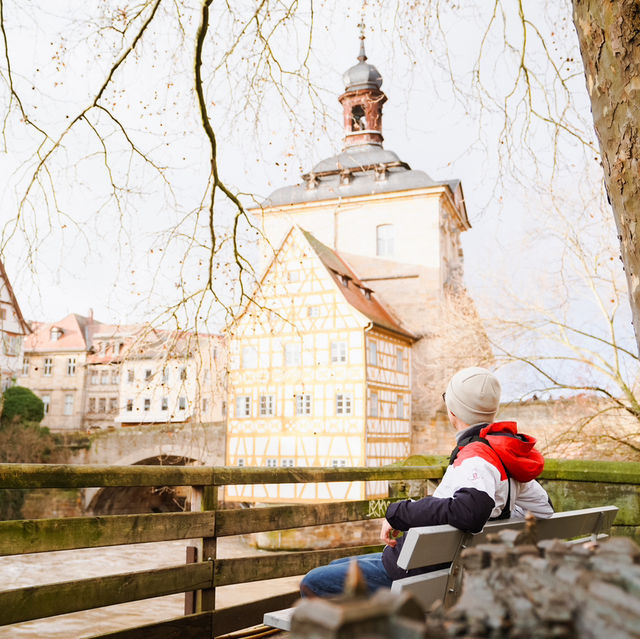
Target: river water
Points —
{"points": [[29, 570]]}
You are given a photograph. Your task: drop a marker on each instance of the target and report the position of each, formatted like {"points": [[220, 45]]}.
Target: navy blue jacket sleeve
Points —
{"points": [[468, 510]]}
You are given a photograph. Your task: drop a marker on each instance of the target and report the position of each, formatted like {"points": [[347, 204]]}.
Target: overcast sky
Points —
{"points": [[130, 258]]}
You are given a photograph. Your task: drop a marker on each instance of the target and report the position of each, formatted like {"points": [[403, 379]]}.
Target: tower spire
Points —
{"points": [[362, 56], [362, 101]]}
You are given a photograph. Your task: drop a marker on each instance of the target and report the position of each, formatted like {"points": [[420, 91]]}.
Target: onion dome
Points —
{"points": [[362, 75]]}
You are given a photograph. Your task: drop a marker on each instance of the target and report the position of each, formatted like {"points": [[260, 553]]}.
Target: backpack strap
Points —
{"points": [[475, 437]]}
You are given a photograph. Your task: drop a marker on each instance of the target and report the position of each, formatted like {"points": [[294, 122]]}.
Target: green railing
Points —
{"points": [[207, 522]]}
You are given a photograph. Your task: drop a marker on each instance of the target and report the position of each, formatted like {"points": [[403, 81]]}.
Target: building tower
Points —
{"points": [[398, 232]]}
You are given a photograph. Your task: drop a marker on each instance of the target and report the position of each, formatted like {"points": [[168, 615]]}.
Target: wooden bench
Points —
{"points": [[433, 545]]}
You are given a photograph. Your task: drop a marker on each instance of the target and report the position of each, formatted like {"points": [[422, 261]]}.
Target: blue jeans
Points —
{"points": [[328, 581]]}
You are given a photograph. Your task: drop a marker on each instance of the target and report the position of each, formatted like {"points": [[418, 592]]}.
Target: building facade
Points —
{"points": [[319, 375], [397, 232], [171, 377], [13, 330], [54, 368], [92, 375]]}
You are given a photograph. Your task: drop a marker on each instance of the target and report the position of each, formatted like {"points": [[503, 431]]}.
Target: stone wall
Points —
{"points": [[574, 428]]}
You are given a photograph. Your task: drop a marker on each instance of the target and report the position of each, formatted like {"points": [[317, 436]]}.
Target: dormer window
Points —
{"points": [[55, 334], [344, 280]]}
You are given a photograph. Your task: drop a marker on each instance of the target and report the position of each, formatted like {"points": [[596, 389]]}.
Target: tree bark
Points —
{"points": [[609, 36]]}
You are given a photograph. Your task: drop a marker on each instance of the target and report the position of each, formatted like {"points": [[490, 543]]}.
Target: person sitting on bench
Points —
{"points": [[491, 475]]}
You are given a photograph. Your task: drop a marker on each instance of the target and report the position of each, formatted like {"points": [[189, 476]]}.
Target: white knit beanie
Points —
{"points": [[473, 395]]}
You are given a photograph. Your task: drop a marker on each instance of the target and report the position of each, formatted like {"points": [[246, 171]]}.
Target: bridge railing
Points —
{"points": [[205, 521], [572, 484]]}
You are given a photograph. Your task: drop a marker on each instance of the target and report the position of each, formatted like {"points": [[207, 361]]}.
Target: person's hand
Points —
{"points": [[388, 534]]}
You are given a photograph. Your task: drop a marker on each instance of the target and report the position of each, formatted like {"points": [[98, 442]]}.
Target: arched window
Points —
{"points": [[358, 118], [385, 237]]}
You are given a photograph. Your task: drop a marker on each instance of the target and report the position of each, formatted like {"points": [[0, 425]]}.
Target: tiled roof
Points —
{"points": [[356, 293], [75, 334]]}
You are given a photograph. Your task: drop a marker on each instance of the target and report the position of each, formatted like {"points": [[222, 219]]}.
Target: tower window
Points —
{"points": [[385, 235], [358, 118]]}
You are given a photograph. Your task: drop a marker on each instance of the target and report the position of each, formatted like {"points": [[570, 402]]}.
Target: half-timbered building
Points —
{"points": [[319, 374]]}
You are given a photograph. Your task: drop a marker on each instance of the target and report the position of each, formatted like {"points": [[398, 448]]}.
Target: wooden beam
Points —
{"points": [[199, 626], [249, 614], [246, 569], [36, 602], [81, 476], [250, 520], [41, 535]]}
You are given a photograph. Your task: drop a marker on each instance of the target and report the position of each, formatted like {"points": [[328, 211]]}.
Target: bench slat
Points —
{"points": [[426, 588], [430, 545], [279, 619]]}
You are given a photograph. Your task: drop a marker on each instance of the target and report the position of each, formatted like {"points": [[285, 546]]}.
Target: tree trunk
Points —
{"points": [[609, 35]]}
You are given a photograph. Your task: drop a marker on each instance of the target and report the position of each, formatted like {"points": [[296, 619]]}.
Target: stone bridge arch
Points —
{"points": [[198, 444]]}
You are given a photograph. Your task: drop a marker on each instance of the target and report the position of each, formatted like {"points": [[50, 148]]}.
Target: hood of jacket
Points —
{"points": [[517, 451]]}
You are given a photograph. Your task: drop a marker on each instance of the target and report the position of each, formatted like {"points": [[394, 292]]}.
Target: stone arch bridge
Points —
{"points": [[164, 444]]}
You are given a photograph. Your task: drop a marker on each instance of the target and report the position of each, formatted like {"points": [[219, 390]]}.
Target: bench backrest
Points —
{"points": [[432, 545]]}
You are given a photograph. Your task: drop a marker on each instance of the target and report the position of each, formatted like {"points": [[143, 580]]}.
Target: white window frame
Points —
{"points": [[313, 311], [182, 403], [338, 352], [303, 404], [272, 462], [287, 462], [243, 406], [372, 352], [292, 354], [164, 403], [25, 365], [338, 463], [146, 405], [249, 357], [267, 405], [344, 404], [385, 240], [373, 404], [131, 376], [399, 359], [46, 400], [129, 406], [400, 407], [48, 366], [68, 404], [104, 377], [102, 404]]}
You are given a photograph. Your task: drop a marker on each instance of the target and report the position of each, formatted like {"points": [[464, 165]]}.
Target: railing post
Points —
{"points": [[205, 498]]}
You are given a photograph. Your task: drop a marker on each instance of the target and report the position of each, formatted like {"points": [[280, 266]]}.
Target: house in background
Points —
{"points": [[172, 377], [93, 375], [13, 330], [319, 375], [109, 348], [54, 368]]}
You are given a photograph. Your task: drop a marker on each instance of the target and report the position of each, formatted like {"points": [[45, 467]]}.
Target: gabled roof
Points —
{"points": [[355, 292], [14, 301], [76, 333]]}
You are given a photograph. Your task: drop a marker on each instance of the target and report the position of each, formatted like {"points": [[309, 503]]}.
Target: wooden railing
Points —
{"points": [[601, 482], [205, 521]]}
